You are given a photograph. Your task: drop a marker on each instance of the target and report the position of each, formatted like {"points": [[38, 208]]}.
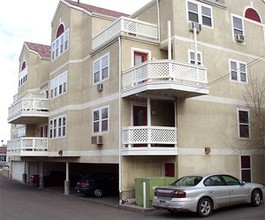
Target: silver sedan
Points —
{"points": [[204, 193]]}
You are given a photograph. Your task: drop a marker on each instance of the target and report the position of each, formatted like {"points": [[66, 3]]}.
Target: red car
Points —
{"points": [[56, 178]]}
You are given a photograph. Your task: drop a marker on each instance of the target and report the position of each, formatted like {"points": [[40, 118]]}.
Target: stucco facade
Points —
{"points": [[134, 84]]}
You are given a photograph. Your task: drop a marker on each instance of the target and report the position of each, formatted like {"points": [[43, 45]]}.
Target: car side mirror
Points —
{"points": [[242, 183]]}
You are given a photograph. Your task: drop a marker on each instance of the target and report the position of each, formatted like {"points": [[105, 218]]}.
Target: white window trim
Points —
{"points": [[232, 26], [139, 50], [23, 74], [200, 12], [56, 82], [57, 127], [100, 69], [56, 44], [100, 120], [238, 124], [193, 51], [238, 73]]}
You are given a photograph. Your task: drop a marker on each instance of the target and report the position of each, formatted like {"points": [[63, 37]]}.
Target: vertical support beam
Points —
{"points": [[169, 39], [149, 121], [41, 180], [67, 182]]}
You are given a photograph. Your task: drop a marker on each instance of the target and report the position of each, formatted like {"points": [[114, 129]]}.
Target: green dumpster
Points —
{"points": [[150, 184]]}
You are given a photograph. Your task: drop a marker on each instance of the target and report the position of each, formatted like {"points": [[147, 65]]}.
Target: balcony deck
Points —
{"points": [[129, 27], [28, 146], [149, 140], [29, 110], [165, 77]]}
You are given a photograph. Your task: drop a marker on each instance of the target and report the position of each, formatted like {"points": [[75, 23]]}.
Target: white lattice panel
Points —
{"points": [[129, 26], [149, 135], [164, 70]]}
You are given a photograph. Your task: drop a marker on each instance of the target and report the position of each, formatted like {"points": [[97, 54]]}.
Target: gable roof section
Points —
{"points": [[96, 10], [44, 51]]}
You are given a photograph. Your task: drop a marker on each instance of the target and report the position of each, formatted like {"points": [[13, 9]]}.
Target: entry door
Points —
{"points": [[140, 119], [139, 115], [139, 58], [170, 169]]}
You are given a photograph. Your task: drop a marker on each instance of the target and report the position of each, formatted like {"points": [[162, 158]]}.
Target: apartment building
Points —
{"points": [[160, 92]]}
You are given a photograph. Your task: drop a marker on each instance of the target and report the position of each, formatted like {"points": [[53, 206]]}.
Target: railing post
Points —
{"points": [[149, 136]]}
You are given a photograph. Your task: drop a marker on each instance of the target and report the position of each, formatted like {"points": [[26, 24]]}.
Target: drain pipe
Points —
{"points": [[120, 145], [169, 39]]}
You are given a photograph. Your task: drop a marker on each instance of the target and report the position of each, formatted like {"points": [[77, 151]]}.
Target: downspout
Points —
{"points": [[169, 39], [158, 20], [195, 44], [120, 126]]}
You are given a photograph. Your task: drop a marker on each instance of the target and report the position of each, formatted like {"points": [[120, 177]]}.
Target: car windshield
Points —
{"points": [[187, 181]]}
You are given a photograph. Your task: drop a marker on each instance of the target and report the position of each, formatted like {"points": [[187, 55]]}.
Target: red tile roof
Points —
{"points": [[95, 9], [44, 51]]}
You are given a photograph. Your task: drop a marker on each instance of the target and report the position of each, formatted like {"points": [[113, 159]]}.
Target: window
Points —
{"points": [[101, 69], [101, 120], [58, 127], [60, 45], [192, 58], [252, 14], [246, 168], [238, 71], [200, 13], [23, 75], [243, 124], [237, 26], [230, 181], [58, 85]]}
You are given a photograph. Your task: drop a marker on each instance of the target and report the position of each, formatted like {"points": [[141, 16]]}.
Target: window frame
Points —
{"points": [[190, 52], [100, 69], [59, 85], [239, 124], [57, 130], [238, 71], [237, 29], [242, 169], [60, 45], [199, 13], [100, 120]]}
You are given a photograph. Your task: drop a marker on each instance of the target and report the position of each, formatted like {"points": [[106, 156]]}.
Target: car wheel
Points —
{"points": [[255, 198], [98, 193], [205, 207]]}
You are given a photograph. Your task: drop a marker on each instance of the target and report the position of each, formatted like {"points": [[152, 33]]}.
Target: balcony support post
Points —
{"points": [[149, 122], [41, 180], [67, 181]]}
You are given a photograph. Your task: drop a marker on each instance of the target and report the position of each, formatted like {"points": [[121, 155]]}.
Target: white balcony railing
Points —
{"points": [[149, 136], [29, 107], [28, 146], [163, 70], [127, 26]]}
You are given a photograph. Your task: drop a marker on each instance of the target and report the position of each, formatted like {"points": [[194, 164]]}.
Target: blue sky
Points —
{"points": [[30, 20]]}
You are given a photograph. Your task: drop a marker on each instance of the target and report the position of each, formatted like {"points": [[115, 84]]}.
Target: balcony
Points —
{"points": [[165, 77], [128, 27], [30, 146], [149, 140], [29, 110]]}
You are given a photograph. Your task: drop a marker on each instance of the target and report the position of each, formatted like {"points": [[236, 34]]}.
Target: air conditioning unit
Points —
{"points": [[240, 38], [97, 140], [196, 25], [100, 87]]}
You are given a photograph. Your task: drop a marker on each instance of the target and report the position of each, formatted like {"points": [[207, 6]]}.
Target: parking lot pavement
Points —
{"points": [[23, 201]]}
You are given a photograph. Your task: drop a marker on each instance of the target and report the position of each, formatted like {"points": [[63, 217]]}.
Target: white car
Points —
{"points": [[204, 193]]}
